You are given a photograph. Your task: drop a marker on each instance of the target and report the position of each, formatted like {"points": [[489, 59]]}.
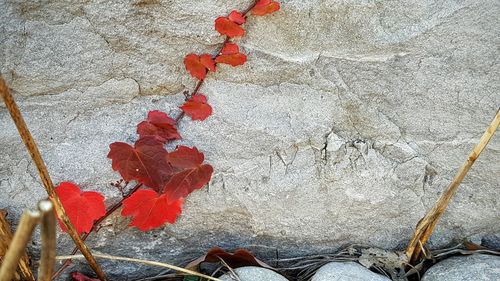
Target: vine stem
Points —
{"points": [[181, 115], [35, 154], [427, 224], [109, 212], [200, 83]]}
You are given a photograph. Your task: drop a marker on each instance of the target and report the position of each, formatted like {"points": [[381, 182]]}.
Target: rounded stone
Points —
{"points": [[465, 268], [346, 271], [253, 273]]}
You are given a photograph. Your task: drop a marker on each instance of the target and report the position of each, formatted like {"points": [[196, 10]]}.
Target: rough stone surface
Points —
{"points": [[346, 271], [252, 273], [465, 268], [345, 125]]}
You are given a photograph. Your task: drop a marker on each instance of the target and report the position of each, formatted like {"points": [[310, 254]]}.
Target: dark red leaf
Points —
{"points": [[77, 276], [239, 258], [150, 210], [185, 158], [82, 208], [264, 7], [195, 67], [160, 126], [227, 27], [197, 107], [146, 162], [236, 17], [192, 173], [187, 181]]}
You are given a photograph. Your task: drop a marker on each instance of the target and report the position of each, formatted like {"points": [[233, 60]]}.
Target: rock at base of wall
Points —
{"points": [[465, 268], [346, 271], [253, 273]]}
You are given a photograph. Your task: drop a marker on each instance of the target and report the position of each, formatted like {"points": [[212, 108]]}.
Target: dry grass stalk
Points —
{"points": [[17, 246], [427, 224], [48, 256], [5, 239], [153, 263], [28, 140]]}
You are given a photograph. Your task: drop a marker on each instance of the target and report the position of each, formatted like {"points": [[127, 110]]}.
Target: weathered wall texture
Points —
{"points": [[344, 126]]}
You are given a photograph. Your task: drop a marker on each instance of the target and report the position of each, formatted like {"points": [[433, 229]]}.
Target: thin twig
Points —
{"points": [[17, 246], [28, 140], [426, 225], [232, 273], [109, 212], [5, 239], [153, 263], [48, 233]]}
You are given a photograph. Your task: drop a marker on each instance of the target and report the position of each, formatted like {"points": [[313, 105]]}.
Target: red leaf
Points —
{"points": [[236, 17], [83, 208], [264, 7], [150, 210], [197, 108], [77, 276], [187, 181], [208, 62], [185, 158], [230, 49], [230, 55], [227, 27], [146, 162], [239, 258], [193, 173], [195, 67], [233, 60], [158, 125]]}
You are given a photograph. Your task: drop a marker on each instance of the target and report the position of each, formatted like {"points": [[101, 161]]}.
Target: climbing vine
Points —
{"points": [[163, 178]]}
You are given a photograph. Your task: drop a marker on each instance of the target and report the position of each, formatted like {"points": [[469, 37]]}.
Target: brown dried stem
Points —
{"points": [[427, 224], [28, 140], [48, 256], [17, 246], [5, 239]]}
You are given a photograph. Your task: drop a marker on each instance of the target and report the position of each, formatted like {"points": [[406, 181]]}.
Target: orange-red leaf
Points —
{"points": [[160, 126], [150, 210], [230, 55], [264, 7], [197, 107], [195, 67], [233, 60], [82, 208], [236, 17], [208, 62], [225, 26], [146, 162], [230, 48]]}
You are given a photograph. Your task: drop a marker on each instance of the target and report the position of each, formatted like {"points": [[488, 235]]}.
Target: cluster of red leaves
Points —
{"points": [[231, 26], [168, 176]]}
